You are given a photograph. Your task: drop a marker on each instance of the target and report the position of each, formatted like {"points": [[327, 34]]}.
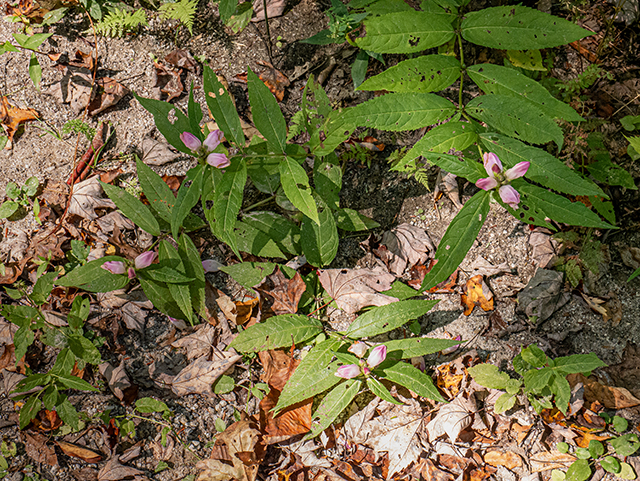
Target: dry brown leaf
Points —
{"points": [[584, 439], [75, 88], [275, 80], [479, 474], [543, 295], [452, 418], [275, 8], [160, 452], [117, 378], [167, 81], [630, 256], [198, 376], [243, 451], [37, 449], [12, 117], [431, 472], [157, 151], [610, 397], [81, 452], [544, 247], [353, 289], [46, 421], [545, 461], [108, 93], [198, 344], [483, 267], [87, 197], [114, 471], [447, 184], [407, 246], [508, 459], [419, 271], [477, 293], [182, 59], [286, 293]]}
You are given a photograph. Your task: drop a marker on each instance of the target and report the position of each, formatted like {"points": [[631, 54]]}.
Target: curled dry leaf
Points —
{"points": [[114, 471], [611, 397], [108, 93], [286, 293], [508, 459], [37, 449], [166, 81], [544, 247], [546, 461], [80, 452], [482, 267], [407, 246], [447, 183], [630, 256], [543, 295], [275, 80], [198, 376], [198, 344], [452, 418], [87, 197], [163, 453], [11, 117], [117, 378], [180, 58], [75, 88], [477, 293], [353, 289]]}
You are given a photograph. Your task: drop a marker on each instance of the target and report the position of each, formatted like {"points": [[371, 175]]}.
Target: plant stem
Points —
{"points": [[462, 70], [266, 23], [260, 203]]}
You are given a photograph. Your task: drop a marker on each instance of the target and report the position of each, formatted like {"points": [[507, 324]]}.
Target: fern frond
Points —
{"points": [[297, 124], [119, 21], [422, 176], [184, 11]]}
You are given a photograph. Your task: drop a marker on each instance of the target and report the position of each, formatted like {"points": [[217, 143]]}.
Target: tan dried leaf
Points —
{"points": [[508, 459], [198, 344], [453, 418], [37, 449], [87, 197], [545, 461], [198, 377], [114, 471], [117, 378], [81, 452], [407, 246]]}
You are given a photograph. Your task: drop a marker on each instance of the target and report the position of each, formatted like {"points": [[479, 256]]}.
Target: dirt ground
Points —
{"points": [[389, 198]]}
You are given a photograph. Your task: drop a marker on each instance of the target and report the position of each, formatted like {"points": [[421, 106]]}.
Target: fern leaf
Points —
{"points": [[184, 11], [297, 124], [119, 21]]}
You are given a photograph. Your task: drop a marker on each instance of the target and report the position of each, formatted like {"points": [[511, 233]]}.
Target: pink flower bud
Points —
{"points": [[115, 267], [213, 140], [451, 349], [191, 141], [377, 355], [358, 348], [219, 161], [517, 170], [509, 195], [131, 273], [348, 371], [487, 183], [492, 163], [211, 266], [145, 259]]}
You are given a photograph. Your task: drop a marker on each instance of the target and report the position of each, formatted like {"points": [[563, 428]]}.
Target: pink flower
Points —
{"points": [[377, 355], [131, 273], [204, 150], [145, 259], [358, 348], [451, 349], [211, 266], [213, 140], [115, 267], [348, 371], [191, 141], [218, 161], [500, 179]]}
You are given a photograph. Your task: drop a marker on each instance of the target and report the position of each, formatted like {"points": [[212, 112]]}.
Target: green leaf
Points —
{"points": [[133, 208], [42, 288], [535, 356], [249, 274], [31, 42], [443, 138], [194, 112], [327, 177], [277, 331], [171, 263], [516, 117], [625, 445], [332, 405], [295, 183], [29, 411], [314, 374], [264, 173], [319, 241], [607, 172], [579, 471], [626, 472], [488, 375], [505, 402], [537, 380], [458, 239], [64, 362], [562, 447], [158, 293], [161, 112], [583, 453], [610, 464], [323, 37], [386, 318], [22, 339], [35, 71], [427, 73], [408, 376], [495, 79], [405, 32], [188, 196], [464, 167], [544, 169], [149, 405], [193, 268], [578, 363], [620, 424], [8, 208], [518, 28], [239, 21], [79, 313], [222, 107], [84, 349], [165, 273], [353, 221], [50, 397], [560, 387], [254, 241], [378, 389], [91, 277], [604, 208], [359, 68], [630, 122], [279, 229], [224, 385], [537, 204], [267, 116], [526, 59], [156, 190], [416, 346], [227, 8], [228, 200], [635, 274], [73, 382], [596, 448]]}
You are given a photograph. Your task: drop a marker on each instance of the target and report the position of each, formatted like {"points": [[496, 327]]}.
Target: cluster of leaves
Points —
{"points": [[30, 43], [606, 454], [21, 197], [592, 254], [543, 379], [119, 22], [571, 88]]}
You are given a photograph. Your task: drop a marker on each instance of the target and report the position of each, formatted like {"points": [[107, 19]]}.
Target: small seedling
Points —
{"points": [[21, 197]]}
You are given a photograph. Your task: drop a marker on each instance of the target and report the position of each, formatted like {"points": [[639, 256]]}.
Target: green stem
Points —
{"points": [[266, 22], [462, 70], [260, 203]]}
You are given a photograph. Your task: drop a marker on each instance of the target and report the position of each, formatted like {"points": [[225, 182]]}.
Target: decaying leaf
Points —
{"points": [[198, 376], [508, 459], [419, 271], [545, 461], [241, 452], [80, 452], [430, 471], [610, 309], [157, 151], [238, 312], [543, 295], [286, 293], [117, 378], [115, 471], [180, 58], [166, 81], [630, 256], [12, 117], [452, 418], [611, 397], [407, 245], [163, 453], [448, 184], [544, 247], [198, 344], [87, 197], [275, 8], [353, 289], [75, 88], [482, 267], [46, 421], [37, 449], [477, 293], [275, 80], [108, 93]]}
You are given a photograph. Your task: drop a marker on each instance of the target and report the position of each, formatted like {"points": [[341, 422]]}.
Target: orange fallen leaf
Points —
{"points": [[479, 474], [11, 117], [476, 294], [286, 293], [46, 421], [80, 452], [274, 79], [611, 397], [585, 438], [508, 459]]}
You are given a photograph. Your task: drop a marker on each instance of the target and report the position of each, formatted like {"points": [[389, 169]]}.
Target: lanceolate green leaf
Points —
{"points": [[518, 28], [460, 166], [386, 318], [314, 374], [408, 376], [277, 331], [441, 139], [266, 114], [249, 274], [222, 108], [133, 208], [333, 404], [427, 73], [91, 277], [195, 115], [377, 388], [188, 196], [161, 112], [295, 183], [417, 346], [516, 117], [458, 239], [537, 204], [158, 293], [353, 221], [282, 231], [193, 268], [578, 363], [169, 256], [496, 79], [156, 190], [405, 32], [254, 241], [319, 241], [544, 169], [228, 200]]}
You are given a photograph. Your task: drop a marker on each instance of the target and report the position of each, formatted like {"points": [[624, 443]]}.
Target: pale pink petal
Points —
{"points": [[348, 371], [115, 267], [517, 170], [219, 161], [145, 259], [131, 272], [377, 355], [213, 140], [358, 348], [487, 183], [451, 349], [492, 163], [211, 266], [191, 141], [418, 363], [179, 323], [509, 195]]}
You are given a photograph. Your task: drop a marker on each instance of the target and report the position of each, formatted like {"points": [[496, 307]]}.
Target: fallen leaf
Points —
{"points": [[12, 117], [157, 151], [544, 247], [198, 344], [107, 94], [117, 378], [81, 452], [87, 197], [114, 471], [543, 295], [508, 459], [198, 376], [479, 474], [85, 474], [160, 452], [429, 471], [452, 418], [166, 81], [477, 293], [75, 88], [545, 461], [419, 271], [353, 289], [610, 397], [82, 60], [448, 184], [46, 421], [407, 246], [285, 293], [275, 8], [275, 80], [37, 449], [482, 267], [368, 142], [180, 58], [630, 256], [584, 439]]}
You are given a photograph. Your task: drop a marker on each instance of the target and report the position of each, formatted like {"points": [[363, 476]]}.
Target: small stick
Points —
{"points": [[82, 168]]}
